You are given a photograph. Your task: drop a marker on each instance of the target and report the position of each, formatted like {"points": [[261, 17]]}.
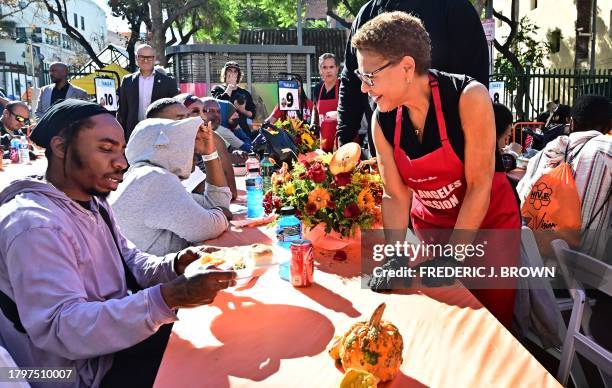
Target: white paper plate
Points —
{"points": [[243, 275]]}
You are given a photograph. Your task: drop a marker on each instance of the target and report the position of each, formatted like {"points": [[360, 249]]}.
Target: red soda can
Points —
{"points": [[302, 263]]}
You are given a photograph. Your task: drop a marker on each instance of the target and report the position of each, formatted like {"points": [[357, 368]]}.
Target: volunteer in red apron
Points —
{"points": [[436, 144], [327, 100]]}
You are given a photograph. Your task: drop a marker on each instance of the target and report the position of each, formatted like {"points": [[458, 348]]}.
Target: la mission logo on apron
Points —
{"points": [[442, 198]]}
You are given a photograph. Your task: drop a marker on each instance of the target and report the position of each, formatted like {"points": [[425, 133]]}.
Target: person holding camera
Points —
{"points": [[241, 98]]}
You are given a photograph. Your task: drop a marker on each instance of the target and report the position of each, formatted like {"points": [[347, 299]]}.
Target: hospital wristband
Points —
{"points": [[209, 157]]}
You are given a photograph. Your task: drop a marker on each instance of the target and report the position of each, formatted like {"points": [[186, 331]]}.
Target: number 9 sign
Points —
{"points": [[288, 95]]}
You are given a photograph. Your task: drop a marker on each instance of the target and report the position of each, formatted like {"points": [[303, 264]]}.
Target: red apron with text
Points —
{"points": [[438, 184], [328, 126]]}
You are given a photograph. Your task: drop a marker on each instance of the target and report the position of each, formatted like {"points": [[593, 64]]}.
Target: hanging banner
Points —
{"points": [[488, 25]]}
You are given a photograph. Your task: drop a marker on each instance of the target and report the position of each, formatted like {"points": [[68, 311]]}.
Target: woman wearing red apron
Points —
{"points": [[327, 100], [436, 144]]}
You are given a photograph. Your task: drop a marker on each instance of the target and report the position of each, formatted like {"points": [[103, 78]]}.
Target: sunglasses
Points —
{"points": [[211, 110], [146, 58], [20, 118], [366, 78]]}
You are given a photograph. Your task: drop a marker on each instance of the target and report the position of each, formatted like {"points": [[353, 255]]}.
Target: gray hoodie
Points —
{"points": [[60, 264], [152, 207]]}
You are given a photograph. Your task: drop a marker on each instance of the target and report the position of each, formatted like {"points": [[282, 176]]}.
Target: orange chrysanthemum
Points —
{"points": [[319, 197], [365, 200]]}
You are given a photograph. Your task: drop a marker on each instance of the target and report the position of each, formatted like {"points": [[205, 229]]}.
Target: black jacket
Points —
{"points": [[458, 46], [127, 115], [218, 92]]}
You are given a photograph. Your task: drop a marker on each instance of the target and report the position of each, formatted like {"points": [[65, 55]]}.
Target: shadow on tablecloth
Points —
{"points": [[255, 338]]}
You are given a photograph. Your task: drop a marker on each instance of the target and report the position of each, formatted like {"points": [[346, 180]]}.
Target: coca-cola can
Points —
{"points": [[302, 263]]}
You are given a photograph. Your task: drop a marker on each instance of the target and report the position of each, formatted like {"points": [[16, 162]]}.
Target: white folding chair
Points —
{"points": [[6, 361], [530, 256], [580, 270]]}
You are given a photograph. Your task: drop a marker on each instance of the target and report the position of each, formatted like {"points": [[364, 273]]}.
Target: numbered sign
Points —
{"points": [[496, 91], [106, 93], [288, 95]]}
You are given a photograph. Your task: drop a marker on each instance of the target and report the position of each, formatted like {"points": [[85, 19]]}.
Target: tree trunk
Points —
{"points": [[583, 25], [158, 38], [507, 50], [520, 74], [131, 45]]}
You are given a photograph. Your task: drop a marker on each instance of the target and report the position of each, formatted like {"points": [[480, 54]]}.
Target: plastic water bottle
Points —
{"points": [[267, 168], [252, 162], [14, 150], [254, 189], [24, 151], [288, 229]]}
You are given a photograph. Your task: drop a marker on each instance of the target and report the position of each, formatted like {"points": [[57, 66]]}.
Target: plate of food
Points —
{"points": [[248, 261]]}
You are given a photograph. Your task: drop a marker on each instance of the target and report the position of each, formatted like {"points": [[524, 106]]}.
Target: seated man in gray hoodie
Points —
{"points": [[153, 209], [74, 293]]}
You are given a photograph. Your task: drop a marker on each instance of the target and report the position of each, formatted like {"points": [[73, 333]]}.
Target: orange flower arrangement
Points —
{"points": [[343, 197]]}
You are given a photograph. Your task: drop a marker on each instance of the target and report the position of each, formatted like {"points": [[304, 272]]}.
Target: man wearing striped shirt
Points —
{"points": [[589, 148]]}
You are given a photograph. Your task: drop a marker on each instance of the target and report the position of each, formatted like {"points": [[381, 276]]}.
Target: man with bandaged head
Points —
{"points": [[74, 292]]}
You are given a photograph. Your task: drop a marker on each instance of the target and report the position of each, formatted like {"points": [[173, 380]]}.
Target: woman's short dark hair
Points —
{"points": [[503, 118], [395, 35]]}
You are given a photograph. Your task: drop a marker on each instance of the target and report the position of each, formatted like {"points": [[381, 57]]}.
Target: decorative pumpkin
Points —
{"points": [[355, 378], [345, 158], [375, 346]]}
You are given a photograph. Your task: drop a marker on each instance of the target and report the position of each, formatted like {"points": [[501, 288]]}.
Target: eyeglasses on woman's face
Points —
{"points": [[368, 78]]}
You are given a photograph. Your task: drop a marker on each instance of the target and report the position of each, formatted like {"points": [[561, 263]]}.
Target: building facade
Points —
{"points": [[558, 25], [33, 37]]}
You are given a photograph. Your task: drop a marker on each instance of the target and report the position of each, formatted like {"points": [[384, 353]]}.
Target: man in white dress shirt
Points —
{"points": [[145, 86]]}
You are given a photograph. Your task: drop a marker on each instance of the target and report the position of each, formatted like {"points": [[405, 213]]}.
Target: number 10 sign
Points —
{"points": [[106, 93]]}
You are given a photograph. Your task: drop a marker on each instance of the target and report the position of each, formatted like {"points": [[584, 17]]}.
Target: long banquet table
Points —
{"points": [[270, 334], [10, 172]]}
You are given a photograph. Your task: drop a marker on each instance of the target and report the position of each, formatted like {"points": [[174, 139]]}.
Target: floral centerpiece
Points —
{"points": [[335, 190], [304, 138]]}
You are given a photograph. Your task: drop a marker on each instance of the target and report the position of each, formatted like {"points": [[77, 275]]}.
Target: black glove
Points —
{"points": [[438, 281], [380, 283]]}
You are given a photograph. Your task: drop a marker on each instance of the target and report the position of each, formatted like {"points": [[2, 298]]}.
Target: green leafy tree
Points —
{"points": [[135, 14], [527, 49], [519, 49]]}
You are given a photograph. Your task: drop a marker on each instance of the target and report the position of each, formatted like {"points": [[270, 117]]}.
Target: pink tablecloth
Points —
{"points": [[269, 334]]}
